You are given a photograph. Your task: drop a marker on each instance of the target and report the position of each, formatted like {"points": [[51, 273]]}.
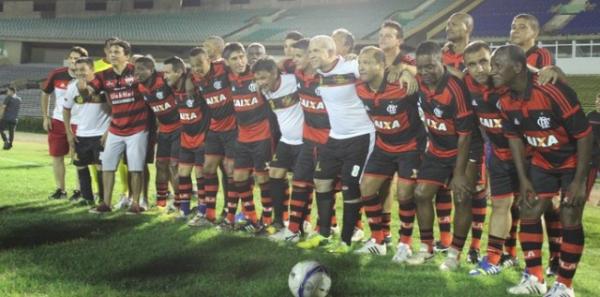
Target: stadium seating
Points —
{"points": [[587, 22], [19, 74], [493, 18]]}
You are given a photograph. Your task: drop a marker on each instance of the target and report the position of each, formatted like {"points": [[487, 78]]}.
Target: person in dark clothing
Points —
{"points": [[9, 113]]}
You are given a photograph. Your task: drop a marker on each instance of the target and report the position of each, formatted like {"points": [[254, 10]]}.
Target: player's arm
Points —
{"points": [[45, 108], [551, 74], [404, 75]]}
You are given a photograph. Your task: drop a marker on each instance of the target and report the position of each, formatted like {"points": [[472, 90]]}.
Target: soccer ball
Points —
{"points": [[309, 279]]}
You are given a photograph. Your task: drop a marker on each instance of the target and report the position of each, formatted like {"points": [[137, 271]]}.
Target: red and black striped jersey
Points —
{"points": [[447, 115], [215, 88], [452, 58], [550, 119], [539, 57], [159, 97], [129, 114], [194, 116], [288, 66], [316, 119], [395, 115], [251, 110], [402, 58], [485, 101]]}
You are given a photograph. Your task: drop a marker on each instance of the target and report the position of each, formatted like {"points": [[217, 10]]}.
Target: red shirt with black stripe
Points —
{"points": [[551, 120], [215, 88], [447, 115], [288, 66], [251, 110], [193, 114], [395, 116], [452, 58], [539, 57], [159, 97], [129, 113], [485, 100], [57, 82], [316, 120]]}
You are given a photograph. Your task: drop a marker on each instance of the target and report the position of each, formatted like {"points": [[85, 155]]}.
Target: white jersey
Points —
{"points": [[286, 104], [94, 118], [347, 113]]}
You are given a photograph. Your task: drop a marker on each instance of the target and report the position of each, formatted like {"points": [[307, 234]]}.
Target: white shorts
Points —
{"points": [[134, 146]]}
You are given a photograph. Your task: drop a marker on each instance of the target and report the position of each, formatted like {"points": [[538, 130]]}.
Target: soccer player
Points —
{"points": [[214, 46], [254, 141], [281, 92], [314, 134], [58, 146], [400, 137], [344, 42], [287, 64], [594, 119], [350, 140], [524, 31], [390, 41], [458, 33], [450, 122], [155, 88], [254, 52], [93, 124], [129, 118], [210, 79], [9, 113], [552, 121]]}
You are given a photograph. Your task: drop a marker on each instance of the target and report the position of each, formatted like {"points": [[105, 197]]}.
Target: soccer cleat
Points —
{"points": [[473, 256], [123, 203], [403, 252], [560, 290], [76, 196], [135, 209], [144, 204], [58, 194], [485, 268], [507, 261], [199, 221], [285, 235], [339, 248], [420, 257], [357, 235], [373, 248], [313, 241], [451, 263], [439, 247], [225, 226], [388, 240], [529, 285], [100, 209], [552, 269], [248, 227]]}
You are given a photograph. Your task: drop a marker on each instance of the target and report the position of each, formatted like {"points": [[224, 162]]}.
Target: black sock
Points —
{"points": [[278, 186], [351, 215], [85, 183], [324, 205]]}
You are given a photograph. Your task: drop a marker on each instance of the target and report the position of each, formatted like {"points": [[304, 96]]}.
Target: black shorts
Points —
{"points": [[253, 155], [88, 150], [435, 170], [504, 181], [385, 164], [167, 147], [304, 170], [191, 157], [286, 156], [345, 157], [221, 143]]}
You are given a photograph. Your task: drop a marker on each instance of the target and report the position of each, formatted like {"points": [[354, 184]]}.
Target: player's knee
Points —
{"points": [[240, 175], [210, 166], [571, 216], [532, 212], [323, 185], [277, 172], [351, 192], [421, 195], [262, 178], [405, 194]]}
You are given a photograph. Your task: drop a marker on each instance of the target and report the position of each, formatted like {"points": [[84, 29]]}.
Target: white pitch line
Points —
{"points": [[18, 161]]}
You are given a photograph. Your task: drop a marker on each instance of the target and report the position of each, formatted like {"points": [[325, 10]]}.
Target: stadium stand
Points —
{"points": [[586, 22], [26, 77], [493, 18]]}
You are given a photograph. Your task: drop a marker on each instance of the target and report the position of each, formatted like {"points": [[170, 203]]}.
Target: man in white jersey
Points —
{"points": [[350, 141], [58, 147], [93, 123], [280, 90]]}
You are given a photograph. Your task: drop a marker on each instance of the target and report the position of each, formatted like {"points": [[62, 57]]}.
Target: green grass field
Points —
{"points": [[50, 248]]}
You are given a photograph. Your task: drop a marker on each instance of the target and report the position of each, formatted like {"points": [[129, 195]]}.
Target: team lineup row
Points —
{"points": [[446, 124]]}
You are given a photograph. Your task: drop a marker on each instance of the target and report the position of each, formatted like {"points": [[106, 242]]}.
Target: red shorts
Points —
{"points": [[58, 145]]}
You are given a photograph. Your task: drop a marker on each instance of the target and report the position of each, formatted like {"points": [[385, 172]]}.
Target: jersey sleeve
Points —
{"points": [[566, 105], [97, 83], [546, 58], [48, 86]]}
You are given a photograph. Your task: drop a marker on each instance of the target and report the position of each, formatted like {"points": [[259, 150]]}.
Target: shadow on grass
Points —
{"points": [[16, 167], [51, 232]]}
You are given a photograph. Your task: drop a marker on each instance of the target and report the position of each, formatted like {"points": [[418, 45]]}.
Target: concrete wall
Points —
{"points": [[13, 51], [579, 65]]}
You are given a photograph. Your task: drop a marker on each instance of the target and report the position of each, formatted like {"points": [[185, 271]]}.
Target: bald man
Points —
{"points": [[214, 46], [350, 140], [458, 34]]}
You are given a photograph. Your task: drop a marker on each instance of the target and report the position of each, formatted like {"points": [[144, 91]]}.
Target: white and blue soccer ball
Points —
{"points": [[309, 279]]}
